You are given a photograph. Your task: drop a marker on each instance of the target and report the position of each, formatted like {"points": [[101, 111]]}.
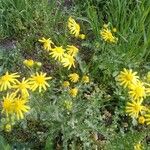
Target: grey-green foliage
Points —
{"points": [[3, 144], [128, 141]]}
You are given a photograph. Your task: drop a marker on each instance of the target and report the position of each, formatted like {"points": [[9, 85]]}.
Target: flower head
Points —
{"points": [[7, 104], [68, 61], [107, 35], [72, 50], [73, 92], [137, 91], [85, 79], [126, 77], [22, 87], [73, 77], [28, 62], [39, 80], [73, 27], [133, 108], [141, 120], [66, 84], [7, 80], [57, 53], [46, 43], [20, 108]]}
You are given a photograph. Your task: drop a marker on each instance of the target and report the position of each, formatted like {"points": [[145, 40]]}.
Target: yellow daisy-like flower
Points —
{"points": [[66, 84], [73, 27], [126, 77], [85, 79], [137, 91], [20, 108], [73, 92], [141, 119], [133, 108], [57, 53], [28, 62], [23, 87], [138, 146], [47, 43], [7, 104], [68, 61], [73, 77], [147, 118], [72, 50], [107, 36], [7, 80], [39, 80]]}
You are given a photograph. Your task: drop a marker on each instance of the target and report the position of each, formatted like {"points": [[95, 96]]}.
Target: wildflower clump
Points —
{"points": [[138, 91], [15, 104]]}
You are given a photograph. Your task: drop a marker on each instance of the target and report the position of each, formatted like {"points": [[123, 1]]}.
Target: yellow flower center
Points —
{"points": [[129, 77], [137, 108], [40, 80], [59, 50], [77, 27]]}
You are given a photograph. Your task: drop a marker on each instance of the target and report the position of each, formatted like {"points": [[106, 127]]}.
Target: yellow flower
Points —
{"points": [[7, 80], [85, 79], [107, 36], [73, 92], [46, 43], [73, 27], [20, 108], [138, 146], [141, 120], [72, 50], [39, 80], [8, 127], [7, 104], [126, 77], [66, 84], [147, 119], [28, 63], [73, 77], [68, 105], [82, 36], [57, 53], [137, 91], [133, 108], [68, 61], [23, 87]]}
